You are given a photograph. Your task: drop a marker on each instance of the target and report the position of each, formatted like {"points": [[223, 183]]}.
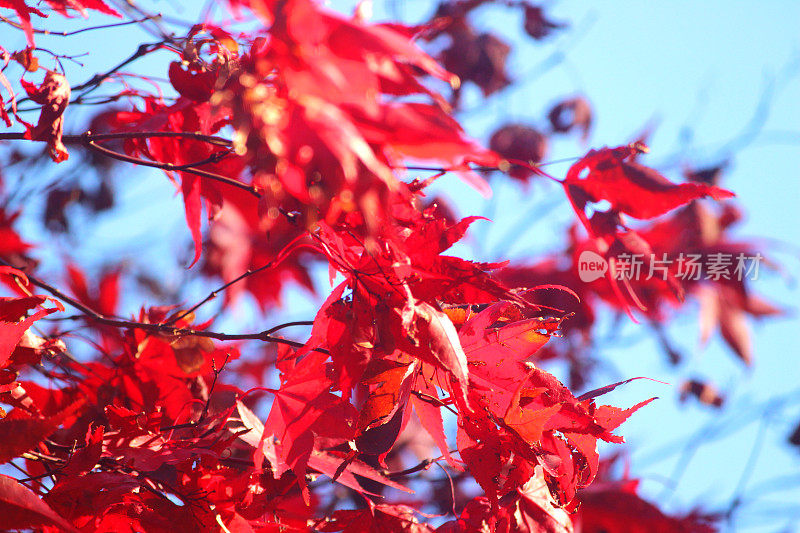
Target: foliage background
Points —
{"points": [[715, 80]]}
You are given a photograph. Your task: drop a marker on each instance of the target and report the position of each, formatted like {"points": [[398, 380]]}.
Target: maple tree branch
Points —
{"points": [[33, 455], [164, 329], [160, 29], [283, 254], [434, 401], [95, 81], [213, 158], [76, 32], [89, 136], [213, 294], [273, 329], [59, 57], [482, 168], [90, 141], [169, 167], [40, 476], [27, 478], [423, 465]]}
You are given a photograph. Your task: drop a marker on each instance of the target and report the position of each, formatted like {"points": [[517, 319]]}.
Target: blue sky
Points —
{"points": [[703, 73]]}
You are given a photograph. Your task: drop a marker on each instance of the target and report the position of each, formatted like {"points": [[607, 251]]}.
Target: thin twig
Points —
{"points": [[92, 83], [75, 32], [213, 158], [484, 168], [423, 465], [434, 401], [273, 329], [169, 167], [90, 141], [452, 488], [213, 294], [749, 467], [89, 136], [217, 372], [163, 329], [95, 81], [283, 254]]}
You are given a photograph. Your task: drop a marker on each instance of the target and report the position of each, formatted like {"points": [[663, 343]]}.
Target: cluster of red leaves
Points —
{"points": [[320, 129], [690, 230], [326, 111], [116, 432]]}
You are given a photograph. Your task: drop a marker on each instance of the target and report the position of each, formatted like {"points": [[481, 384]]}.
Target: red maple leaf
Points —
{"points": [[630, 187], [23, 509]]}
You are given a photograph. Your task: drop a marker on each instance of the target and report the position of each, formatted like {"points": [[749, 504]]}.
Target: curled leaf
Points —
{"points": [[53, 95]]}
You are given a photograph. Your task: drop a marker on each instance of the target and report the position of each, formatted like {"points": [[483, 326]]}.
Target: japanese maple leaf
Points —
{"points": [[425, 132], [23, 432], [14, 323], [479, 58], [11, 243], [193, 83], [381, 417], [630, 187], [328, 463], [497, 348], [725, 307], [102, 298], [329, 115], [304, 411], [438, 341], [183, 116], [531, 407]]}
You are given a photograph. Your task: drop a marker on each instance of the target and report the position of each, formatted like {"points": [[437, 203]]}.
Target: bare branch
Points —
{"points": [[164, 329], [76, 32], [169, 167], [90, 141]]}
